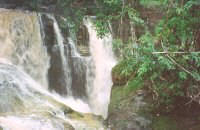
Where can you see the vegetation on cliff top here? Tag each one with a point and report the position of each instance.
(165, 59)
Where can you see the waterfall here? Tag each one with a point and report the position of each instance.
(65, 64)
(28, 64)
(92, 74)
(88, 79)
(24, 104)
(21, 43)
(104, 60)
(68, 54)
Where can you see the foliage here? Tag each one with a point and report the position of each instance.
(114, 10)
(120, 93)
(101, 27)
(170, 74)
(73, 15)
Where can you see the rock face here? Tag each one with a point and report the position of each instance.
(128, 108)
(132, 108)
(79, 72)
(55, 71)
(76, 65)
(125, 111)
(83, 41)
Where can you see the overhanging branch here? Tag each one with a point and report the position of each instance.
(178, 52)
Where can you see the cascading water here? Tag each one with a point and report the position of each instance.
(87, 80)
(24, 104)
(90, 75)
(21, 43)
(103, 58)
(65, 64)
(69, 63)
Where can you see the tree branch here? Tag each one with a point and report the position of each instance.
(193, 99)
(178, 52)
(180, 66)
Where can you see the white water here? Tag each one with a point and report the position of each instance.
(22, 45)
(103, 57)
(77, 104)
(36, 102)
(65, 64)
(98, 73)
(16, 123)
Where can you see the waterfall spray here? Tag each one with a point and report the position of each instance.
(104, 60)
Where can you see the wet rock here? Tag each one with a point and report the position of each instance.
(79, 80)
(9, 96)
(68, 127)
(76, 65)
(56, 75)
(136, 111)
(33, 122)
(124, 111)
(83, 41)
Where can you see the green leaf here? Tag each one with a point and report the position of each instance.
(182, 75)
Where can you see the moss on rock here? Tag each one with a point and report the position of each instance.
(164, 123)
(125, 104)
(120, 77)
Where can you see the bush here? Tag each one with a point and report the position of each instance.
(167, 61)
